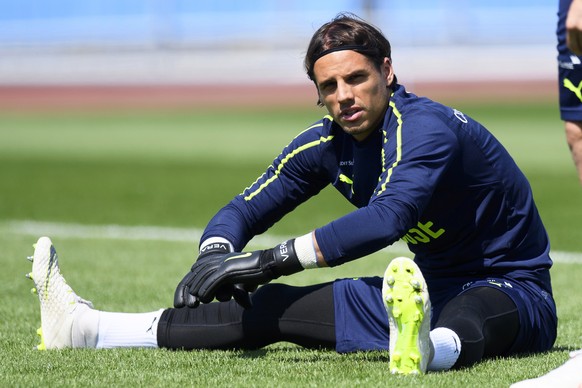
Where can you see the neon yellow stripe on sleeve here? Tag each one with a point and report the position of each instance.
(284, 161)
(316, 125)
(398, 148)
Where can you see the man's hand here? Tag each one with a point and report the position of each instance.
(250, 269)
(182, 296)
(574, 27)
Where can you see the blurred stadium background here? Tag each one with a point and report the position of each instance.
(113, 49)
(106, 145)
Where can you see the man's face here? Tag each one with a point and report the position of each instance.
(353, 90)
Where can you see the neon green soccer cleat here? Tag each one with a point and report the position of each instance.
(407, 302)
(60, 307)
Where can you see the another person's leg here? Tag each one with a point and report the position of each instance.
(303, 315)
(570, 90)
(574, 139)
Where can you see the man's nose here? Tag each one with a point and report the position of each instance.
(344, 92)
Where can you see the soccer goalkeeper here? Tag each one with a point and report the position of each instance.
(479, 285)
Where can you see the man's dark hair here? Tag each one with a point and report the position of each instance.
(347, 32)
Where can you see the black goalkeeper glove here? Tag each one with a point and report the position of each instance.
(182, 296)
(246, 270)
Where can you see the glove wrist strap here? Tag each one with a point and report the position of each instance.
(216, 243)
(285, 258)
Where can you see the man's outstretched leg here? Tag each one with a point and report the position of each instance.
(302, 315)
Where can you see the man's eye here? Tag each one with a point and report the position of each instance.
(327, 87)
(357, 78)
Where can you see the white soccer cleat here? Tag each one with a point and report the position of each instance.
(568, 375)
(406, 299)
(61, 309)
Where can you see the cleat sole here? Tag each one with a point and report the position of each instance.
(406, 300)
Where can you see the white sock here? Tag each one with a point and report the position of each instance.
(85, 328)
(447, 348)
(126, 330)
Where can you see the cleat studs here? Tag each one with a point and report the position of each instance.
(33, 291)
(407, 303)
(30, 258)
(42, 345)
(29, 275)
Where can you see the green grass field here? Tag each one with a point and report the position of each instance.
(124, 195)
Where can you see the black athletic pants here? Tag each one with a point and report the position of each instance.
(302, 315)
(485, 319)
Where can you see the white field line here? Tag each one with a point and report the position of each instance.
(119, 232)
(162, 233)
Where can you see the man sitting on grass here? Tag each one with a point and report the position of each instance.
(415, 170)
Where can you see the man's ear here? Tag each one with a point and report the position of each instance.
(319, 103)
(388, 71)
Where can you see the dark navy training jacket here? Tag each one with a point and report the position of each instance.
(430, 175)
